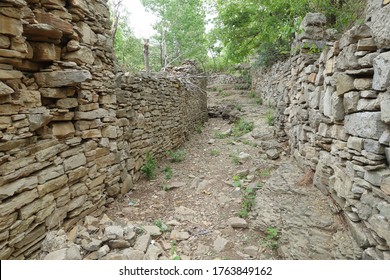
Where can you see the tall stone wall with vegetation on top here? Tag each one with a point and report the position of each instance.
(332, 103)
(73, 131)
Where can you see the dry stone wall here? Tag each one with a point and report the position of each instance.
(73, 131)
(333, 107)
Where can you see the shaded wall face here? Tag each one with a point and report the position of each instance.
(333, 108)
(72, 131)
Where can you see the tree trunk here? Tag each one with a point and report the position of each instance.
(146, 56)
(117, 14)
(164, 48)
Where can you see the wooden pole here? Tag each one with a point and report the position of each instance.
(146, 56)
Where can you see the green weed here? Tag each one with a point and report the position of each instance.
(177, 156)
(215, 153)
(168, 172)
(199, 128)
(149, 168)
(235, 159)
(161, 225)
(248, 200)
(242, 127)
(271, 238)
(270, 118)
(220, 135)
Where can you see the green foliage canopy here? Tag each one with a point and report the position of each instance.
(183, 22)
(266, 27)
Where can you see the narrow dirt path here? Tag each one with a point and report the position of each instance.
(236, 195)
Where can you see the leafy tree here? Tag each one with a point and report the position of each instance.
(266, 27)
(181, 29)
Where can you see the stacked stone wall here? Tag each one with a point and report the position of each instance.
(73, 131)
(333, 107)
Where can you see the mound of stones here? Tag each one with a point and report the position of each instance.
(103, 239)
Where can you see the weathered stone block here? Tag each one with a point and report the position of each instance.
(373, 146)
(76, 202)
(381, 226)
(385, 111)
(5, 90)
(366, 44)
(50, 173)
(18, 186)
(376, 177)
(53, 92)
(77, 174)
(344, 83)
(5, 42)
(346, 59)
(37, 205)
(10, 74)
(62, 78)
(109, 132)
(82, 56)
(92, 133)
(39, 118)
(42, 30)
(74, 162)
(351, 100)
(337, 107)
(18, 201)
(52, 185)
(362, 83)
(379, 23)
(91, 115)
(355, 143)
(372, 126)
(10, 26)
(382, 71)
(43, 51)
(48, 153)
(67, 103)
(63, 129)
(55, 21)
(327, 101)
(385, 185)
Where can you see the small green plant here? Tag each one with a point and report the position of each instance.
(242, 127)
(166, 187)
(263, 173)
(215, 153)
(199, 128)
(220, 135)
(174, 255)
(235, 159)
(238, 107)
(271, 237)
(269, 118)
(248, 200)
(237, 181)
(249, 143)
(168, 172)
(259, 101)
(161, 225)
(252, 94)
(177, 156)
(149, 168)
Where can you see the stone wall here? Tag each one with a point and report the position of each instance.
(73, 131)
(334, 109)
